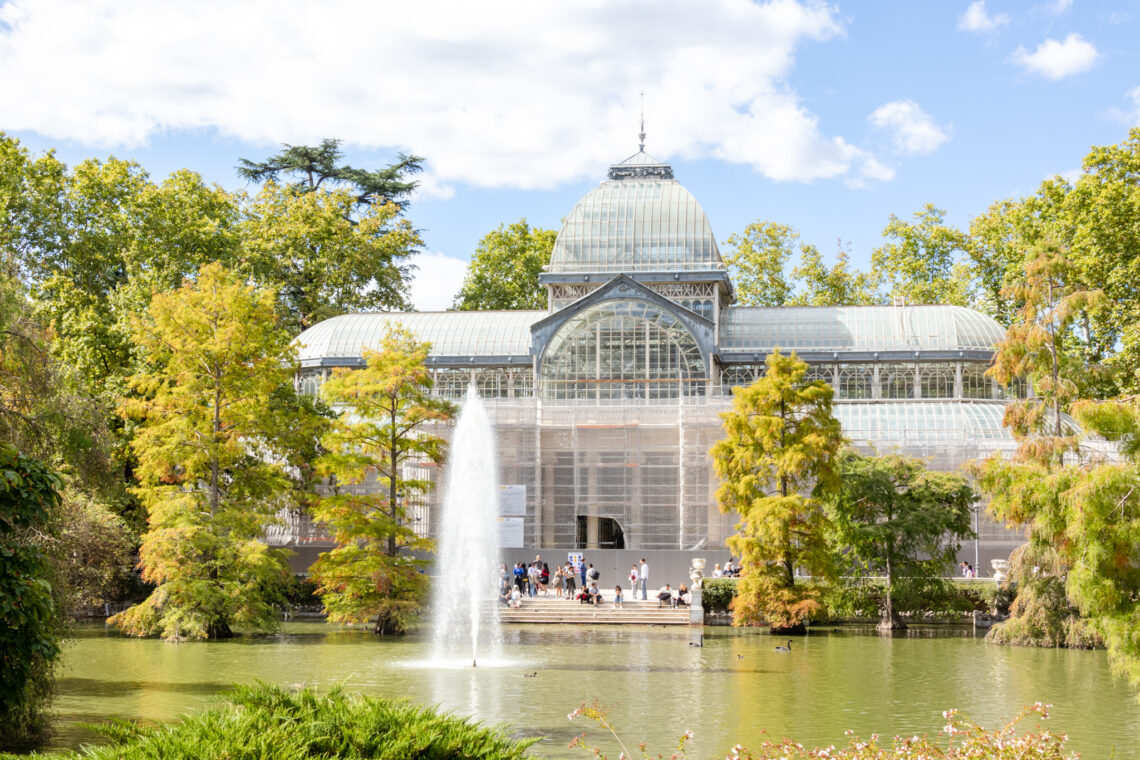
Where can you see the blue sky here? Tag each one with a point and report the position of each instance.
(827, 117)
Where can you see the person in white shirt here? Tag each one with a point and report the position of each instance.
(643, 578)
(717, 573)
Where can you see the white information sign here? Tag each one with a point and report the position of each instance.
(510, 532)
(512, 501)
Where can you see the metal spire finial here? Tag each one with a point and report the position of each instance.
(641, 134)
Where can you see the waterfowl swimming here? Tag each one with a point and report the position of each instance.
(788, 648)
(530, 675)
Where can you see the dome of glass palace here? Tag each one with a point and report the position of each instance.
(639, 220)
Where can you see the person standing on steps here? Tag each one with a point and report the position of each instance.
(592, 575)
(570, 574)
(582, 570)
(643, 578)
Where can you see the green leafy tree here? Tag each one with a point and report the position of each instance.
(211, 460)
(923, 261)
(756, 262)
(30, 609)
(777, 458)
(837, 285)
(503, 273)
(321, 262)
(386, 421)
(1000, 238)
(1081, 519)
(892, 516)
(1099, 226)
(314, 166)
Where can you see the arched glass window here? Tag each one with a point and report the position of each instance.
(937, 379)
(824, 372)
(896, 380)
(731, 377)
(492, 383)
(309, 383)
(451, 383)
(975, 384)
(855, 381)
(622, 349)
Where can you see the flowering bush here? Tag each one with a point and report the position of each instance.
(960, 739)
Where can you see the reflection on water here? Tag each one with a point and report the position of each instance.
(732, 690)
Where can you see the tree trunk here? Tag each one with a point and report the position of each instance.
(219, 629)
(889, 618)
(393, 488)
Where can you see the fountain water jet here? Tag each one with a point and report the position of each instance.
(466, 615)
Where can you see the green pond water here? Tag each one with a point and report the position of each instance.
(734, 689)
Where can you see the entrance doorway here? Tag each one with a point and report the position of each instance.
(610, 534)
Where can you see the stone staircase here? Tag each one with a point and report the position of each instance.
(550, 609)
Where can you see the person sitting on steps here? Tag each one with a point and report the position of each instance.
(665, 596)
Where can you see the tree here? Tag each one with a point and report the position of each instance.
(1035, 351)
(211, 461)
(320, 262)
(893, 516)
(30, 608)
(385, 424)
(1001, 236)
(923, 260)
(838, 285)
(1100, 228)
(777, 458)
(503, 273)
(314, 166)
(1082, 521)
(756, 263)
(1033, 488)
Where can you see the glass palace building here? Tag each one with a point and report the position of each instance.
(606, 403)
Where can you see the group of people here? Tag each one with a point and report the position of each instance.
(728, 571)
(578, 581)
(967, 570)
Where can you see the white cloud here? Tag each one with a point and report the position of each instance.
(1057, 60)
(912, 130)
(1134, 116)
(1057, 7)
(976, 20)
(1131, 114)
(498, 93)
(438, 278)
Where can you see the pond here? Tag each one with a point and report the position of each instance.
(655, 685)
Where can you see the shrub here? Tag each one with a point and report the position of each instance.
(265, 721)
(717, 593)
(938, 598)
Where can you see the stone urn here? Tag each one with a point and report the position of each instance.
(696, 572)
(1001, 570)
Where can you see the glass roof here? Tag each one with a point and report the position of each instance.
(858, 328)
(921, 421)
(636, 225)
(451, 333)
